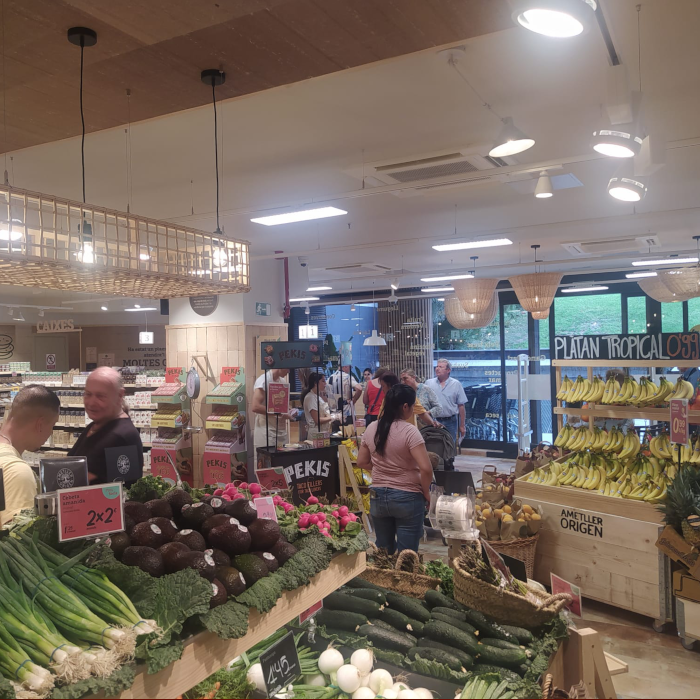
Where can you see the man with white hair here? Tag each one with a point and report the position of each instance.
(452, 398)
(111, 425)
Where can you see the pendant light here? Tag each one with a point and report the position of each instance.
(375, 340)
(476, 294)
(653, 287)
(559, 19)
(685, 281)
(215, 77)
(541, 315)
(543, 189)
(460, 319)
(536, 291)
(626, 186)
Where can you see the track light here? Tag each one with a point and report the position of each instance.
(352, 307)
(559, 19)
(19, 317)
(627, 189)
(543, 190)
(41, 313)
(510, 140)
(395, 283)
(618, 142)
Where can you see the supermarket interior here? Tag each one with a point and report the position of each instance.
(349, 349)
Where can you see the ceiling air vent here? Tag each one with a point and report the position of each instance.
(612, 245)
(359, 268)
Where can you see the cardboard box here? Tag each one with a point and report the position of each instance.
(685, 586)
(677, 549)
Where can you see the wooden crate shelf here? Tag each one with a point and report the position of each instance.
(657, 414)
(206, 653)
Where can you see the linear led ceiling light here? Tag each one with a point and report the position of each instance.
(318, 289)
(543, 190)
(638, 275)
(428, 290)
(667, 261)
(142, 308)
(305, 299)
(559, 19)
(295, 216)
(510, 140)
(447, 278)
(575, 290)
(467, 245)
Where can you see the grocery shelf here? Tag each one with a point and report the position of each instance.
(205, 653)
(660, 414)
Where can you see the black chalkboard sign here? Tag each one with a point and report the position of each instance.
(682, 347)
(311, 472)
(280, 665)
(62, 473)
(516, 567)
(2, 492)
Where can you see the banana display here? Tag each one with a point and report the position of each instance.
(630, 392)
(599, 440)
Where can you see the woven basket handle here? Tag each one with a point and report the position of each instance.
(414, 561)
(559, 600)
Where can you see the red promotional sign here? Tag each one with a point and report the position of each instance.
(559, 585)
(278, 397)
(172, 375)
(265, 507)
(679, 421)
(310, 612)
(272, 479)
(229, 374)
(90, 511)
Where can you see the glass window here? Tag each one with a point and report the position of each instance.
(636, 315)
(591, 314)
(693, 312)
(544, 334)
(672, 317)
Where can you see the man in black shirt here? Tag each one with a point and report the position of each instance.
(110, 427)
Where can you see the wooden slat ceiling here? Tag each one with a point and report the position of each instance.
(157, 48)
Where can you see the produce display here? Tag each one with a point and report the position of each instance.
(629, 393)
(507, 522)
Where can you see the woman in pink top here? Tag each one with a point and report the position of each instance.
(394, 451)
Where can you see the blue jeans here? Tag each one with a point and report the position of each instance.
(397, 517)
(451, 423)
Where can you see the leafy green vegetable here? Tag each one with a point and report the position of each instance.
(263, 594)
(234, 684)
(6, 689)
(160, 657)
(435, 670)
(228, 621)
(121, 679)
(148, 488)
(438, 569)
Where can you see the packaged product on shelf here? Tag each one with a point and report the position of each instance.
(224, 460)
(172, 446)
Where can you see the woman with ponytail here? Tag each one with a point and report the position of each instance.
(394, 451)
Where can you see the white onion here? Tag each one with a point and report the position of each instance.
(319, 679)
(330, 661)
(363, 660)
(390, 694)
(399, 686)
(379, 680)
(423, 693)
(348, 678)
(255, 676)
(363, 694)
(364, 681)
(407, 694)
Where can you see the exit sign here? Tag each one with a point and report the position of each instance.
(262, 308)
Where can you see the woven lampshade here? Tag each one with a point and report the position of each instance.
(653, 287)
(540, 315)
(536, 291)
(475, 295)
(459, 318)
(684, 282)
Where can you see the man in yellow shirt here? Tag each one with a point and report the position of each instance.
(33, 414)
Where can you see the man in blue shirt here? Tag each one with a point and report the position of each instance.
(451, 397)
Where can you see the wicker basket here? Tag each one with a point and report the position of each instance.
(522, 549)
(408, 583)
(504, 606)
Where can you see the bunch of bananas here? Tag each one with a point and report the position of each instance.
(683, 390)
(630, 392)
(660, 446)
(598, 440)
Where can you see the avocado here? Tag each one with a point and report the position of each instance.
(232, 539)
(192, 539)
(232, 578)
(220, 558)
(160, 508)
(118, 543)
(264, 534)
(283, 551)
(216, 520)
(172, 552)
(242, 510)
(199, 561)
(218, 594)
(196, 514)
(218, 504)
(146, 558)
(129, 523)
(270, 561)
(167, 526)
(177, 498)
(138, 512)
(147, 535)
(253, 568)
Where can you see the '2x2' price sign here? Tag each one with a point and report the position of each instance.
(280, 665)
(90, 511)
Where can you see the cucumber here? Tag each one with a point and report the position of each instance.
(524, 636)
(340, 619)
(464, 626)
(359, 582)
(467, 661)
(451, 636)
(438, 600)
(387, 639)
(499, 643)
(416, 627)
(343, 601)
(505, 673)
(408, 606)
(400, 621)
(442, 657)
(451, 612)
(508, 658)
(368, 594)
(488, 628)
(384, 625)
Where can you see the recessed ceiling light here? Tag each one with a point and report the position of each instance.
(559, 19)
(428, 290)
(104, 308)
(295, 216)
(318, 289)
(543, 190)
(574, 290)
(446, 278)
(442, 299)
(638, 275)
(668, 261)
(510, 140)
(626, 189)
(145, 308)
(466, 245)
(305, 299)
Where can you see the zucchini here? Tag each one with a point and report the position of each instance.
(502, 644)
(408, 606)
(467, 661)
(487, 627)
(400, 621)
(368, 594)
(340, 619)
(451, 636)
(523, 636)
(434, 599)
(464, 626)
(508, 658)
(387, 639)
(451, 612)
(442, 657)
(343, 601)
(505, 673)
(359, 582)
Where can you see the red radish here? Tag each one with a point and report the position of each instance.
(226, 497)
(322, 516)
(255, 489)
(343, 511)
(335, 514)
(302, 529)
(218, 492)
(314, 519)
(236, 496)
(344, 521)
(287, 507)
(312, 501)
(325, 525)
(352, 517)
(243, 486)
(326, 533)
(277, 500)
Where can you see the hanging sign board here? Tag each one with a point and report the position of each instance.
(682, 347)
(679, 421)
(90, 511)
(55, 326)
(204, 305)
(290, 355)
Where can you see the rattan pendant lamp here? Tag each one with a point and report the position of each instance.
(684, 282)
(655, 288)
(475, 295)
(536, 291)
(462, 320)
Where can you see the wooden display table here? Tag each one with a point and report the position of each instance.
(206, 653)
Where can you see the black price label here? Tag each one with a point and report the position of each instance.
(280, 665)
(2, 492)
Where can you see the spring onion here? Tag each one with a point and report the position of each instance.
(16, 666)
